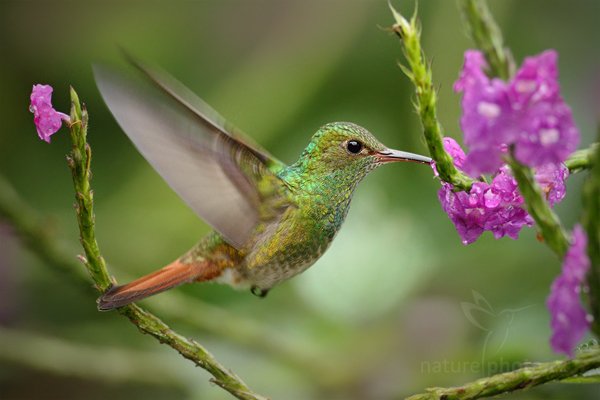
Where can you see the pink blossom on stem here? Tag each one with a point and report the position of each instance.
(551, 178)
(46, 119)
(494, 207)
(569, 320)
(527, 112)
(498, 206)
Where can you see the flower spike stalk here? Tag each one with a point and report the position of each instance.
(419, 73)
(591, 222)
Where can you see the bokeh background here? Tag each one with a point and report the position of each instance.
(396, 305)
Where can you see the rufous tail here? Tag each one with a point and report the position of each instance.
(174, 274)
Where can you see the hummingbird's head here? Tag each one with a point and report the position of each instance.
(347, 152)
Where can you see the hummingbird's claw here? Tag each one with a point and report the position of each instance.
(255, 290)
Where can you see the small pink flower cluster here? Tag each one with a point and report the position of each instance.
(497, 206)
(46, 119)
(526, 112)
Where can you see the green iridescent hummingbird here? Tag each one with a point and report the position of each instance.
(271, 221)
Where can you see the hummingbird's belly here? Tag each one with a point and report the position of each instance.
(280, 250)
(291, 249)
(275, 257)
(283, 265)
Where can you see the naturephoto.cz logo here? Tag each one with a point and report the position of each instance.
(497, 325)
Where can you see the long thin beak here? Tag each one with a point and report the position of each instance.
(389, 155)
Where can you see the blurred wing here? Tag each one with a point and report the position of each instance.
(208, 116)
(223, 179)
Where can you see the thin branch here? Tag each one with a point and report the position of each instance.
(419, 73)
(591, 218)
(547, 221)
(581, 159)
(79, 161)
(484, 31)
(27, 225)
(519, 379)
(32, 230)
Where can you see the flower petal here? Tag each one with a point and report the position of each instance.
(46, 119)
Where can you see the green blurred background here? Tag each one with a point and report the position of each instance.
(381, 315)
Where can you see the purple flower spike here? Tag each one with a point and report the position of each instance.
(46, 119)
(496, 207)
(527, 112)
(569, 321)
(484, 108)
(549, 132)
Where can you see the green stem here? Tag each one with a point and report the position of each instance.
(537, 206)
(591, 222)
(581, 159)
(419, 73)
(32, 230)
(79, 161)
(484, 31)
(519, 379)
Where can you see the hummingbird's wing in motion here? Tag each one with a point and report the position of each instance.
(227, 181)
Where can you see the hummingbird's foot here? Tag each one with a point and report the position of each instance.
(259, 292)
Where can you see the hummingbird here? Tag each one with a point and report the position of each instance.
(271, 221)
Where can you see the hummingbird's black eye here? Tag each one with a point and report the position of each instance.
(354, 146)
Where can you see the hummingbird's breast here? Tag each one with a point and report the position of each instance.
(297, 240)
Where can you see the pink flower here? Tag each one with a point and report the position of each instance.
(569, 320)
(551, 179)
(46, 119)
(527, 112)
(497, 206)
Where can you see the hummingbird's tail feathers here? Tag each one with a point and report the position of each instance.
(174, 274)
